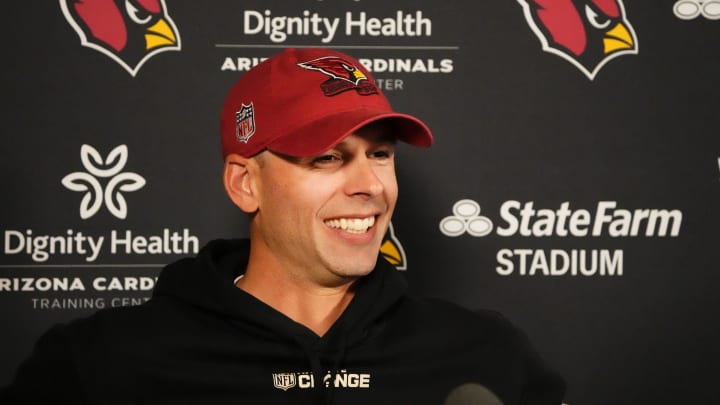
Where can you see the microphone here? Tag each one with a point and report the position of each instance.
(472, 394)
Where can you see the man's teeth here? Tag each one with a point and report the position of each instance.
(352, 225)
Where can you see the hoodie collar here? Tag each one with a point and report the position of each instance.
(207, 282)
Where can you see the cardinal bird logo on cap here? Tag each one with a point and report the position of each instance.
(343, 76)
(587, 33)
(128, 31)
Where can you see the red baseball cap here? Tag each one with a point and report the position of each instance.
(302, 102)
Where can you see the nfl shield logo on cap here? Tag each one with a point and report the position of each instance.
(245, 123)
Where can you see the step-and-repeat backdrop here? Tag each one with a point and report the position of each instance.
(574, 184)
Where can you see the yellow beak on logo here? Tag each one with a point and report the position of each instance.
(391, 253)
(159, 34)
(358, 74)
(618, 39)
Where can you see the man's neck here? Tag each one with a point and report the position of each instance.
(314, 306)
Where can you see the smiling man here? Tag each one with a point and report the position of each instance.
(305, 311)
(318, 222)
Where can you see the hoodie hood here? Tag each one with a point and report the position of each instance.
(207, 282)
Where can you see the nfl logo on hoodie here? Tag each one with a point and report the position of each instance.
(284, 381)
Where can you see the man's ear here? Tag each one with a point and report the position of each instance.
(239, 178)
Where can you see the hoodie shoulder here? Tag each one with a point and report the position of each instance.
(484, 343)
(446, 315)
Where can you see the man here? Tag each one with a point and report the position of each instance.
(304, 312)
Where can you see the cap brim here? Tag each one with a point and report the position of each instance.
(320, 135)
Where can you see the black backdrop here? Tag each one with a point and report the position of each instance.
(579, 197)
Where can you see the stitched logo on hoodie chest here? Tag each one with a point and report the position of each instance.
(306, 380)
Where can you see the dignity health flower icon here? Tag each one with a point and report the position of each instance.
(98, 168)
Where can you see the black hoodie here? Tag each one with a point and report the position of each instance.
(201, 340)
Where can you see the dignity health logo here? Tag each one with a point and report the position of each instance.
(89, 182)
(103, 183)
(524, 219)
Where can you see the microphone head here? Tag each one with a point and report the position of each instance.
(472, 394)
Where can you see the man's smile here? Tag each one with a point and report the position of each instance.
(351, 225)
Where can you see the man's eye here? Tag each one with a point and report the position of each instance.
(382, 154)
(325, 159)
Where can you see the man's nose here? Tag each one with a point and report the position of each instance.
(363, 179)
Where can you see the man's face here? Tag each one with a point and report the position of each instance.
(323, 217)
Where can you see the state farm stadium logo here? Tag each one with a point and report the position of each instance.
(129, 32)
(587, 34)
(606, 222)
(109, 170)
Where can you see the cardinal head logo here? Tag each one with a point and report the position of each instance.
(128, 31)
(586, 33)
(343, 76)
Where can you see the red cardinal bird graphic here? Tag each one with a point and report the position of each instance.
(128, 31)
(343, 76)
(587, 33)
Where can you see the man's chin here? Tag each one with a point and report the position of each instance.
(357, 269)
(354, 269)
